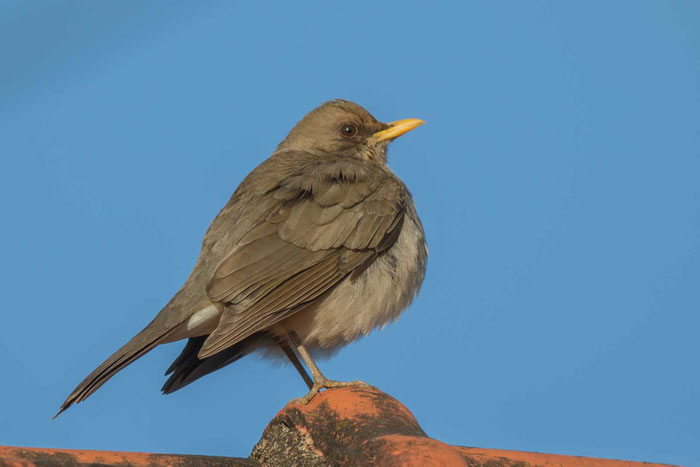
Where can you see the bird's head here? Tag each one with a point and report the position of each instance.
(344, 129)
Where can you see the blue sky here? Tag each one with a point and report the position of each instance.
(557, 179)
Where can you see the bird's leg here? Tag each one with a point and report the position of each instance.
(320, 381)
(284, 344)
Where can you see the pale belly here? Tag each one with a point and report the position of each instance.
(376, 297)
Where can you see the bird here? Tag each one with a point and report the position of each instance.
(318, 246)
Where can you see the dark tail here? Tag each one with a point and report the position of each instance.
(188, 367)
(139, 345)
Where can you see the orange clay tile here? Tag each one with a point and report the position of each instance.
(348, 426)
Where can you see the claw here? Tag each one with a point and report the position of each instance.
(326, 384)
(319, 381)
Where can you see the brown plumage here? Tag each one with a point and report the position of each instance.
(319, 245)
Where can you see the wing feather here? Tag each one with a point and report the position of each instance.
(325, 226)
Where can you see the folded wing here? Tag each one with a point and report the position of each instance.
(325, 226)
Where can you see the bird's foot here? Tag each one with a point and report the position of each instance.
(326, 384)
(344, 384)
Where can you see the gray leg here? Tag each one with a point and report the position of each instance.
(284, 344)
(320, 381)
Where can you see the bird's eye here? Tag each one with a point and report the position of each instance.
(348, 130)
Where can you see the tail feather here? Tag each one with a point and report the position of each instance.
(139, 345)
(188, 368)
(193, 345)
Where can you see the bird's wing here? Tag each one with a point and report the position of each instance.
(325, 226)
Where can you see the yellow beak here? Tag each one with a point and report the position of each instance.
(396, 129)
